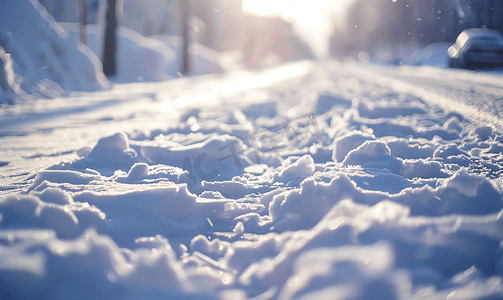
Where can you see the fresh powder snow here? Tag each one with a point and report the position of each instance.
(307, 180)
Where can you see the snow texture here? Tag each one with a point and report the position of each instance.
(304, 181)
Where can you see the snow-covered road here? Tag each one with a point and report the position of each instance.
(37, 133)
(475, 95)
(310, 180)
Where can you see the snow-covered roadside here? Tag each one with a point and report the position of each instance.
(41, 60)
(138, 58)
(321, 185)
(476, 96)
(147, 59)
(9, 88)
(204, 60)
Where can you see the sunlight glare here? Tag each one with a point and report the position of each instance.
(263, 80)
(263, 8)
(312, 20)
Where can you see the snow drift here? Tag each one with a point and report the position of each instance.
(141, 58)
(138, 58)
(42, 60)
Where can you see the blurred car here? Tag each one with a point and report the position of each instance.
(477, 48)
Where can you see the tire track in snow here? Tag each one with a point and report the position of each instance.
(484, 79)
(480, 104)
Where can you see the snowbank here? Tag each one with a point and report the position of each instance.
(42, 59)
(138, 58)
(9, 88)
(431, 55)
(203, 60)
(153, 58)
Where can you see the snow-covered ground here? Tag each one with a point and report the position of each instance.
(303, 181)
(308, 180)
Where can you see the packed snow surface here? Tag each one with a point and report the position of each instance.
(304, 181)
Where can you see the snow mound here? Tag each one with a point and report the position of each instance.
(373, 154)
(42, 59)
(138, 58)
(431, 55)
(9, 88)
(203, 60)
(347, 142)
(154, 58)
(111, 151)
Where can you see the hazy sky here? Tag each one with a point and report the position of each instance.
(314, 20)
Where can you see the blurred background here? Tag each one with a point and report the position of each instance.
(255, 35)
(265, 32)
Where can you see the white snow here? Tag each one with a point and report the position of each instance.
(431, 55)
(311, 180)
(154, 58)
(9, 88)
(42, 60)
(138, 58)
(203, 60)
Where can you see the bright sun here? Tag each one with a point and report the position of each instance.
(264, 8)
(313, 20)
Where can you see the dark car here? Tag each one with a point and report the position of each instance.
(477, 48)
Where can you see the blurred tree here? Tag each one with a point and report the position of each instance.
(83, 16)
(185, 11)
(109, 53)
